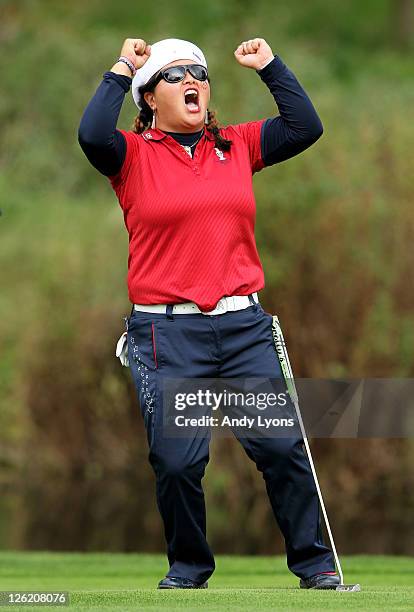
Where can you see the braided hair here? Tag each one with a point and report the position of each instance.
(144, 120)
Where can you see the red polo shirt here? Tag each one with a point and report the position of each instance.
(190, 220)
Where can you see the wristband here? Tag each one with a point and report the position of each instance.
(128, 62)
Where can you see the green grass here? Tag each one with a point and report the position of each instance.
(128, 582)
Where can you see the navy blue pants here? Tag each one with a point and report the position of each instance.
(229, 345)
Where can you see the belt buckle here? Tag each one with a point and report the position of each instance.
(222, 305)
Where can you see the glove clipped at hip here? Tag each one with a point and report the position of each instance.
(122, 349)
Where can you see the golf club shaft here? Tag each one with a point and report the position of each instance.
(288, 375)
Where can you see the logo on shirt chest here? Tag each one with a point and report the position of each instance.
(220, 154)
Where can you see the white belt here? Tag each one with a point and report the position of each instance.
(225, 304)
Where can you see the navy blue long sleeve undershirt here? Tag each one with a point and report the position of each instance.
(296, 128)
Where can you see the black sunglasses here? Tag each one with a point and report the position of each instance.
(175, 74)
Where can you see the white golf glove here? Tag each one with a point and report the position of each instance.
(122, 349)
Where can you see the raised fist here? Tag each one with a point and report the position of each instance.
(254, 53)
(136, 50)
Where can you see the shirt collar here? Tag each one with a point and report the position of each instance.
(156, 134)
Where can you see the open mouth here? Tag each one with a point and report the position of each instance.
(191, 100)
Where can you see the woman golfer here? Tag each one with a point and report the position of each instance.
(185, 188)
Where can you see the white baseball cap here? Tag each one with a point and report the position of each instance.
(162, 53)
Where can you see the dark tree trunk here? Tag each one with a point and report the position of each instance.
(403, 20)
